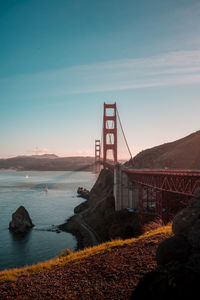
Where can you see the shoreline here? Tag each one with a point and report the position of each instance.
(68, 227)
(79, 231)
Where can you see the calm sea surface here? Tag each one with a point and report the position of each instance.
(46, 209)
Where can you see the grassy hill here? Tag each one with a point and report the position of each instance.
(181, 154)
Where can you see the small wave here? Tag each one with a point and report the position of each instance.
(51, 228)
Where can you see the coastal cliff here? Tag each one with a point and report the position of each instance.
(96, 220)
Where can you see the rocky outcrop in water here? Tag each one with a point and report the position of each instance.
(178, 273)
(21, 221)
(82, 192)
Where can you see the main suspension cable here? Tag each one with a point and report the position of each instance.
(124, 136)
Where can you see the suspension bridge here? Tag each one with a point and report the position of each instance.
(152, 193)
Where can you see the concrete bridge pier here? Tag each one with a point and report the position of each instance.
(125, 191)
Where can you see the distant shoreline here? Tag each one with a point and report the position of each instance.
(35, 170)
(46, 163)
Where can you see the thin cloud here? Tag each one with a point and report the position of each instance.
(168, 69)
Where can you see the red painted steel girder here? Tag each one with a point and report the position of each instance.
(175, 181)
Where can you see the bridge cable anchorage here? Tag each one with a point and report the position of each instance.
(124, 137)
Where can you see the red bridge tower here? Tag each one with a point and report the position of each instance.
(110, 131)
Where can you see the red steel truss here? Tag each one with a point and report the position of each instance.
(175, 181)
(163, 192)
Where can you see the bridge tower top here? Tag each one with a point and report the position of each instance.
(110, 131)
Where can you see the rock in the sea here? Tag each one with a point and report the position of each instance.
(83, 193)
(21, 221)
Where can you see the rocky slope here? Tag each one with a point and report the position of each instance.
(98, 215)
(181, 154)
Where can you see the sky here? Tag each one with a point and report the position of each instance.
(61, 60)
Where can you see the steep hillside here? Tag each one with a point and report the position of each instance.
(181, 154)
(98, 215)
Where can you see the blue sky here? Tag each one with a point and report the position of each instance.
(61, 60)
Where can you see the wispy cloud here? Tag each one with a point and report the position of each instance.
(40, 151)
(168, 69)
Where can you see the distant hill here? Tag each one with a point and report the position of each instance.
(45, 156)
(181, 154)
(47, 162)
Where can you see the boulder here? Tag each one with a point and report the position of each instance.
(169, 282)
(175, 248)
(21, 221)
(185, 219)
(195, 202)
(83, 193)
(194, 235)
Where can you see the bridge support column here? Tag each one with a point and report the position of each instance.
(125, 192)
(117, 187)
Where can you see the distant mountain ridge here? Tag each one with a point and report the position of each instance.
(180, 154)
(45, 156)
(47, 162)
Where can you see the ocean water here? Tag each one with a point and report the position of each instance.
(50, 198)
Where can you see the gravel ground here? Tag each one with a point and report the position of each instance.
(112, 275)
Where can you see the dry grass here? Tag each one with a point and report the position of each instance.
(77, 256)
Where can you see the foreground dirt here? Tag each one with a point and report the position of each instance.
(112, 275)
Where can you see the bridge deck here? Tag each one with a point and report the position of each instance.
(165, 172)
(175, 181)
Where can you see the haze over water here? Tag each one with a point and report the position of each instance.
(46, 208)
